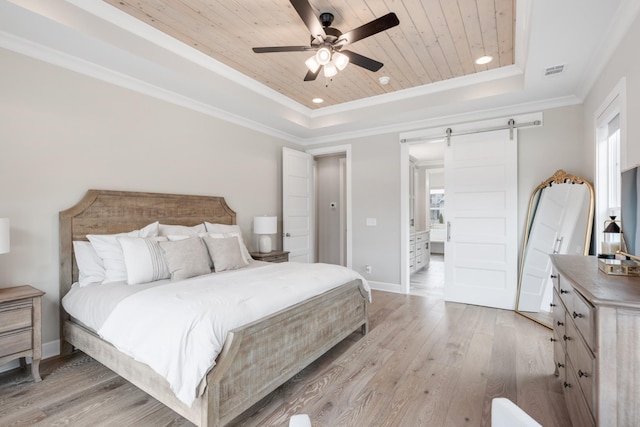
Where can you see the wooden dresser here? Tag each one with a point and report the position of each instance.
(596, 334)
(20, 325)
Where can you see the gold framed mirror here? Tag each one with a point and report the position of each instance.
(559, 221)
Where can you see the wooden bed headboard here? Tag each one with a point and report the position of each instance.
(110, 212)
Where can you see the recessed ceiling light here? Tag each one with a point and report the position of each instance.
(484, 60)
(317, 100)
(384, 80)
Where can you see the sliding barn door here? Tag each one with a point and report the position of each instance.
(297, 204)
(481, 244)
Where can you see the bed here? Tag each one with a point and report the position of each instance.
(255, 358)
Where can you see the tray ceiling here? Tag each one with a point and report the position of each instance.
(436, 40)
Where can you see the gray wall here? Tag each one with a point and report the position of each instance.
(62, 133)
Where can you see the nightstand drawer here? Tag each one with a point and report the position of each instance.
(11, 320)
(15, 342)
(279, 258)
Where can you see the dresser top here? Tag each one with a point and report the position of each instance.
(19, 292)
(598, 287)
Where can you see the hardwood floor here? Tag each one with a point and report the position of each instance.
(424, 362)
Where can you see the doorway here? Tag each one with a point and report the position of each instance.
(332, 199)
(426, 219)
(330, 208)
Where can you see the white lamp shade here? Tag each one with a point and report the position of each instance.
(341, 60)
(4, 235)
(265, 225)
(312, 64)
(323, 56)
(330, 70)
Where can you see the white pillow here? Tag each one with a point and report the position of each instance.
(144, 259)
(229, 231)
(108, 248)
(169, 230)
(90, 265)
(186, 258)
(225, 253)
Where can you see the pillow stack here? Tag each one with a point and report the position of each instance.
(160, 251)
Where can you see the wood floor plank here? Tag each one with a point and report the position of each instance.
(423, 363)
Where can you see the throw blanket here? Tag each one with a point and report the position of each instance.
(179, 328)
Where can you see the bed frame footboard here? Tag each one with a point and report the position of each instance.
(256, 358)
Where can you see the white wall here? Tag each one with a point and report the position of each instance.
(62, 133)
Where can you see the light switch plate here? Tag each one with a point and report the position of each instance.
(371, 222)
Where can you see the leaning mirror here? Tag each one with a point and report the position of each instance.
(559, 221)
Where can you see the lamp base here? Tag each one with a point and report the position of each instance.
(264, 244)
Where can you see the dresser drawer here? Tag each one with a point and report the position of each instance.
(578, 408)
(583, 314)
(566, 292)
(18, 317)
(558, 314)
(584, 365)
(559, 356)
(15, 342)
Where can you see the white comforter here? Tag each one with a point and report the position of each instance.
(179, 328)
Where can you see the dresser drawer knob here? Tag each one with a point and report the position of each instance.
(552, 304)
(577, 315)
(553, 339)
(567, 385)
(582, 374)
(559, 323)
(566, 338)
(560, 365)
(554, 276)
(562, 291)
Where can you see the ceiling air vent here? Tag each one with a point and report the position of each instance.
(552, 71)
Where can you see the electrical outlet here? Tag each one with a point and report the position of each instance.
(367, 268)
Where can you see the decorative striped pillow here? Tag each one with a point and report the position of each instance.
(144, 259)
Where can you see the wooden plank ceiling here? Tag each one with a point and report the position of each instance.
(436, 40)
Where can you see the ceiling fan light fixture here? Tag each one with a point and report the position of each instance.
(312, 64)
(330, 70)
(340, 60)
(323, 55)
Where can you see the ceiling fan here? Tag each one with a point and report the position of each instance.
(328, 42)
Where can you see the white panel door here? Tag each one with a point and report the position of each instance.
(481, 244)
(297, 204)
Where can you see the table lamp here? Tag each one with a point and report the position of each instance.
(264, 226)
(4, 235)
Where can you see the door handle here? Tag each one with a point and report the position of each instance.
(448, 231)
(286, 235)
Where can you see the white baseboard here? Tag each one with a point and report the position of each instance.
(49, 349)
(388, 287)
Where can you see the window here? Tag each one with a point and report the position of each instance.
(613, 161)
(610, 151)
(436, 215)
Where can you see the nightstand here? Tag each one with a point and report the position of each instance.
(20, 326)
(273, 256)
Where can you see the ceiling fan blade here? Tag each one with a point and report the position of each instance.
(374, 27)
(283, 49)
(309, 18)
(362, 61)
(311, 76)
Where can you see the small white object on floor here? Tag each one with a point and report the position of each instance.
(505, 413)
(301, 420)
